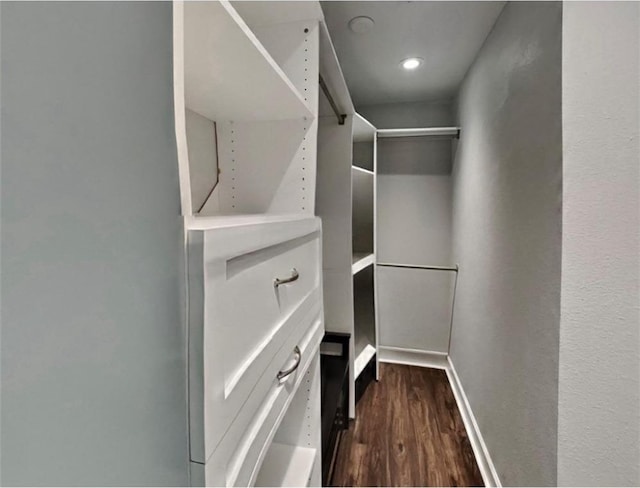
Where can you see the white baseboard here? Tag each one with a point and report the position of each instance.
(439, 360)
(485, 464)
(413, 357)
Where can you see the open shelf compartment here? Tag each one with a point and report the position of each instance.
(293, 457)
(228, 73)
(286, 465)
(236, 90)
(364, 319)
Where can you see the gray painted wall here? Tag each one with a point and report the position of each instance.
(93, 363)
(414, 227)
(599, 397)
(413, 114)
(414, 200)
(507, 234)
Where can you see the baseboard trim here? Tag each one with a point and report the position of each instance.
(413, 357)
(439, 360)
(485, 464)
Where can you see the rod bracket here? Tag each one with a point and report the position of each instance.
(341, 117)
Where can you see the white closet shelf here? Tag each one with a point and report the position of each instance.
(363, 130)
(417, 132)
(260, 13)
(355, 167)
(228, 74)
(363, 359)
(286, 465)
(218, 222)
(361, 260)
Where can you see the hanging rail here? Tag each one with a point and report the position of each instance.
(325, 89)
(419, 266)
(418, 132)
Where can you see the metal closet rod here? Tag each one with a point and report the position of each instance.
(419, 266)
(325, 89)
(420, 132)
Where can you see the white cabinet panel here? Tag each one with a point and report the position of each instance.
(237, 459)
(242, 327)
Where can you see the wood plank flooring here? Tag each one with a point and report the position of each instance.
(407, 432)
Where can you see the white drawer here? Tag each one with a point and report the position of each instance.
(237, 459)
(239, 321)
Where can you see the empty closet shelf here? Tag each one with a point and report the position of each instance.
(357, 167)
(286, 465)
(361, 260)
(363, 359)
(218, 222)
(253, 86)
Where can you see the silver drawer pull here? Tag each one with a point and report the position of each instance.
(279, 281)
(286, 372)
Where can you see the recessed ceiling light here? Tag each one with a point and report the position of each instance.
(361, 24)
(411, 63)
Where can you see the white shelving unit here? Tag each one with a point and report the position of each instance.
(244, 77)
(363, 221)
(246, 105)
(347, 180)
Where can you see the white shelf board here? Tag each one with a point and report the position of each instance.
(261, 13)
(218, 222)
(417, 132)
(286, 466)
(363, 130)
(363, 359)
(361, 261)
(228, 74)
(362, 170)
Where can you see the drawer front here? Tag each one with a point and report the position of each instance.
(244, 319)
(237, 459)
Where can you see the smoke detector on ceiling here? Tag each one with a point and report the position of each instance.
(361, 24)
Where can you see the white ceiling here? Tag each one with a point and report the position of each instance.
(447, 35)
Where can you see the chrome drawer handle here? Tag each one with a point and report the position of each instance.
(279, 281)
(284, 373)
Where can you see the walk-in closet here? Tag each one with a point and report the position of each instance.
(322, 264)
(320, 243)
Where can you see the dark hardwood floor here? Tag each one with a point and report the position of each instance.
(407, 432)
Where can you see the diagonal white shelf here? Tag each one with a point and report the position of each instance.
(355, 167)
(286, 465)
(228, 74)
(361, 261)
(363, 359)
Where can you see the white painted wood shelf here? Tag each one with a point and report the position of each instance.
(286, 465)
(218, 222)
(355, 167)
(361, 260)
(363, 358)
(228, 73)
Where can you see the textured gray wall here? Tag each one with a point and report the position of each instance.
(507, 233)
(93, 365)
(599, 399)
